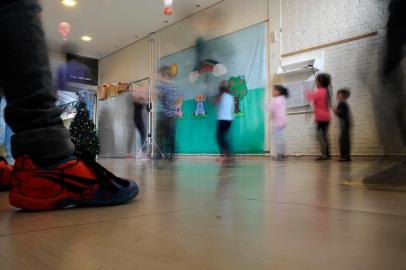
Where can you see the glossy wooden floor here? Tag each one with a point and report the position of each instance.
(194, 214)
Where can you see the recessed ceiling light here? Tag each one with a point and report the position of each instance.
(86, 38)
(69, 3)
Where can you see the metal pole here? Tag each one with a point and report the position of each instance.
(150, 143)
(151, 80)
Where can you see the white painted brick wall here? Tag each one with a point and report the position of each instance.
(308, 23)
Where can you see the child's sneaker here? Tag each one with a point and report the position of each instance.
(5, 174)
(76, 182)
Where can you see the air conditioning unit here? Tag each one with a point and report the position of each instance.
(299, 67)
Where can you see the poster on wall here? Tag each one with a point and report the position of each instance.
(239, 59)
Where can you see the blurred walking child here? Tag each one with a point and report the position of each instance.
(320, 98)
(279, 119)
(343, 112)
(166, 124)
(225, 111)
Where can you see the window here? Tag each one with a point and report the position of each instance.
(297, 90)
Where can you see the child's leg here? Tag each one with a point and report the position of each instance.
(319, 137)
(227, 149)
(345, 144)
(172, 136)
(326, 141)
(162, 131)
(220, 136)
(279, 142)
(322, 128)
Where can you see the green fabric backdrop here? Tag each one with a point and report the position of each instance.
(243, 53)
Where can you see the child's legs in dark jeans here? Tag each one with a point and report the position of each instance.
(322, 130)
(345, 142)
(172, 135)
(27, 84)
(222, 131)
(167, 134)
(161, 133)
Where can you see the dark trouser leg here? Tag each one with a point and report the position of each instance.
(139, 124)
(345, 144)
(26, 80)
(398, 90)
(162, 131)
(325, 140)
(167, 134)
(322, 128)
(222, 130)
(220, 136)
(172, 136)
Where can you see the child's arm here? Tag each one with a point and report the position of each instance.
(339, 110)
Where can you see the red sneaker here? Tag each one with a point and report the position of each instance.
(76, 182)
(5, 174)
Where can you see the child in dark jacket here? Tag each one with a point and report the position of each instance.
(343, 112)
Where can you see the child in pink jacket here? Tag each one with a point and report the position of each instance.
(279, 119)
(320, 98)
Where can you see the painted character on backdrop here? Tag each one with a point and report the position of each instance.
(200, 110)
(179, 104)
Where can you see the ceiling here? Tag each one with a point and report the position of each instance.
(113, 24)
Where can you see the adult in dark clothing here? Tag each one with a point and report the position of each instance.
(139, 119)
(393, 70)
(393, 75)
(343, 112)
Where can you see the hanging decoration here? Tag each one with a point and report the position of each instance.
(168, 9)
(64, 30)
(173, 70)
(139, 90)
(206, 67)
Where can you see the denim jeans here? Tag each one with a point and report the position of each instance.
(25, 78)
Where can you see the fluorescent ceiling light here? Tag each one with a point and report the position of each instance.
(86, 38)
(69, 3)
